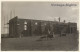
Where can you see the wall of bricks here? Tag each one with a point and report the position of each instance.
(38, 27)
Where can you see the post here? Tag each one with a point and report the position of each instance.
(59, 19)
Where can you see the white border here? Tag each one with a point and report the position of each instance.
(42, 1)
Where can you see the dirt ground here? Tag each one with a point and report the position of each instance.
(63, 43)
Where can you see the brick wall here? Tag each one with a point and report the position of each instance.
(38, 27)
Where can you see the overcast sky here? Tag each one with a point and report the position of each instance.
(39, 10)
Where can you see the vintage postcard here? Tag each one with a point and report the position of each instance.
(39, 26)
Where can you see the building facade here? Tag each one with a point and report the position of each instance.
(30, 27)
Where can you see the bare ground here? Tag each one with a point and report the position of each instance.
(64, 43)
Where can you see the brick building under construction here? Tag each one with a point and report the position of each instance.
(30, 27)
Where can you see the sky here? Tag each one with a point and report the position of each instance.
(39, 11)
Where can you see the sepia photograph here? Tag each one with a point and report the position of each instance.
(39, 26)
